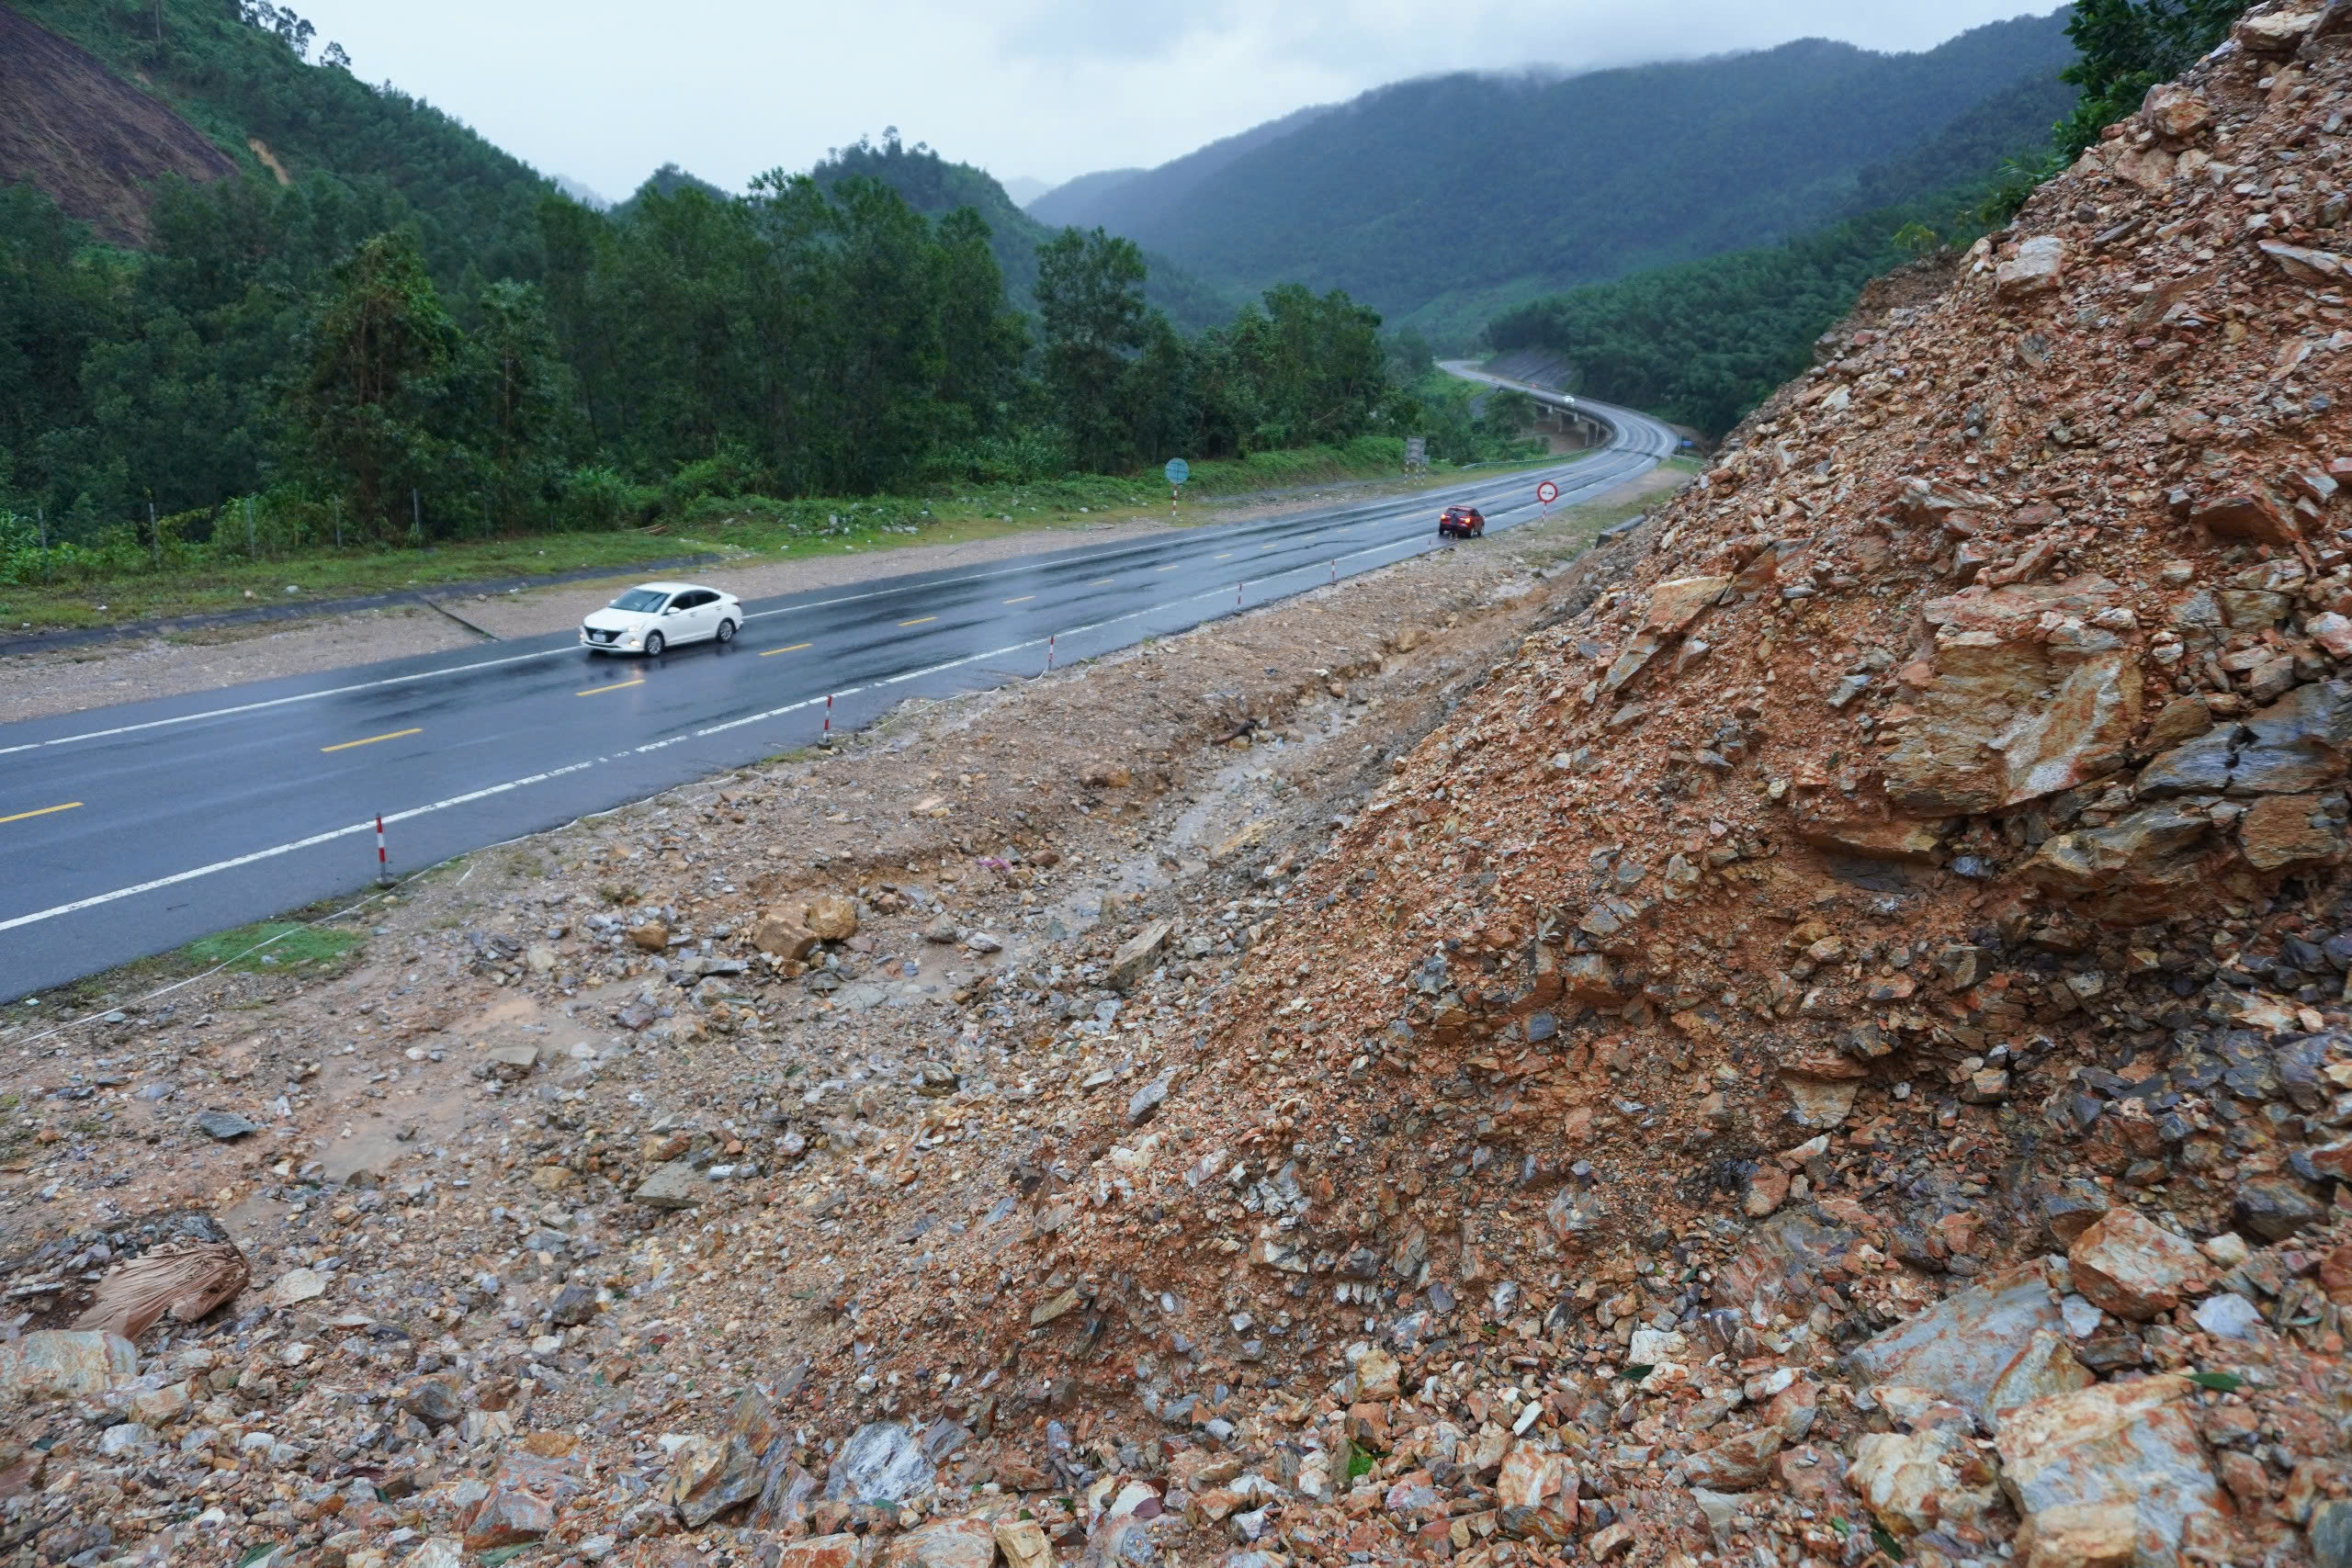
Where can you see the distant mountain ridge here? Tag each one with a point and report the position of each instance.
(1130, 206)
(934, 188)
(1440, 200)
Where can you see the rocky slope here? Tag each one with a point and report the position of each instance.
(1833, 1050)
(1809, 1057)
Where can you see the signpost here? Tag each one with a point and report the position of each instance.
(1177, 471)
(1547, 492)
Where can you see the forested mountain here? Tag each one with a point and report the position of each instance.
(934, 188)
(1705, 342)
(367, 340)
(1440, 200)
(238, 72)
(668, 180)
(1074, 198)
(1127, 201)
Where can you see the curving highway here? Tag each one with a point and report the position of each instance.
(128, 830)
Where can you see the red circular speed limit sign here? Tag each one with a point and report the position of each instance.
(1547, 492)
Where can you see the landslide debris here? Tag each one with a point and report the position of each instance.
(1834, 1051)
(1839, 1046)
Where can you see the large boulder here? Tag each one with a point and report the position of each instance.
(1961, 1349)
(708, 1476)
(526, 1494)
(2101, 1535)
(1136, 956)
(783, 933)
(1919, 1480)
(2041, 262)
(833, 917)
(882, 1462)
(61, 1361)
(948, 1543)
(2137, 868)
(2282, 830)
(1673, 606)
(2015, 712)
(2132, 1266)
(2114, 1445)
(2297, 745)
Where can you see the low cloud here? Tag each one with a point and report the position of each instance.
(605, 91)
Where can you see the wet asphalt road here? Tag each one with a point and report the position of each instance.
(128, 830)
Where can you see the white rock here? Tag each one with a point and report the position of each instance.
(2228, 1316)
(124, 1437)
(2228, 1249)
(296, 1285)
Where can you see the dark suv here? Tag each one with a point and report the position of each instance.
(1461, 523)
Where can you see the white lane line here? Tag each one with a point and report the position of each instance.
(273, 852)
(1110, 554)
(281, 702)
(1417, 543)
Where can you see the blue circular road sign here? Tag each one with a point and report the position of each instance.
(1178, 471)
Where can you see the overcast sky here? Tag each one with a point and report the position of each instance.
(607, 90)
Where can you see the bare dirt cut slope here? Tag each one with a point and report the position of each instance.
(86, 137)
(1817, 1036)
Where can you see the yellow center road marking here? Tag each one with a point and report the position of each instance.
(1102, 582)
(1226, 556)
(615, 687)
(795, 648)
(19, 816)
(395, 735)
(1023, 600)
(1268, 546)
(1170, 567)
(919, 620)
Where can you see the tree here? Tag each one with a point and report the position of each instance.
(982, 340)
(1091, 310)
(379, 352)
(515, 400)
(2125, 47)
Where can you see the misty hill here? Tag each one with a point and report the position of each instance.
(667, 180)
(1128, 201)
(933, 186)
(1071, 202)
(1440, 200)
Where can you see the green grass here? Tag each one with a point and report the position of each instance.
(290, 947)
(206, 581)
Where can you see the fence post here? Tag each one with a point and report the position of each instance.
(41, 515)
(338, 522)
(253, 551)
(154, 536)
(415, 518)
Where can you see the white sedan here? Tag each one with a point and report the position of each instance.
(655, 616)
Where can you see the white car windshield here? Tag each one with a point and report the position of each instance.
(643, 601)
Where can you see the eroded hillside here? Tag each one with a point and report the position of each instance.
(87, 139)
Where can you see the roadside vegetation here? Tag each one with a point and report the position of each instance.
(351, 363)
(118, 580)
